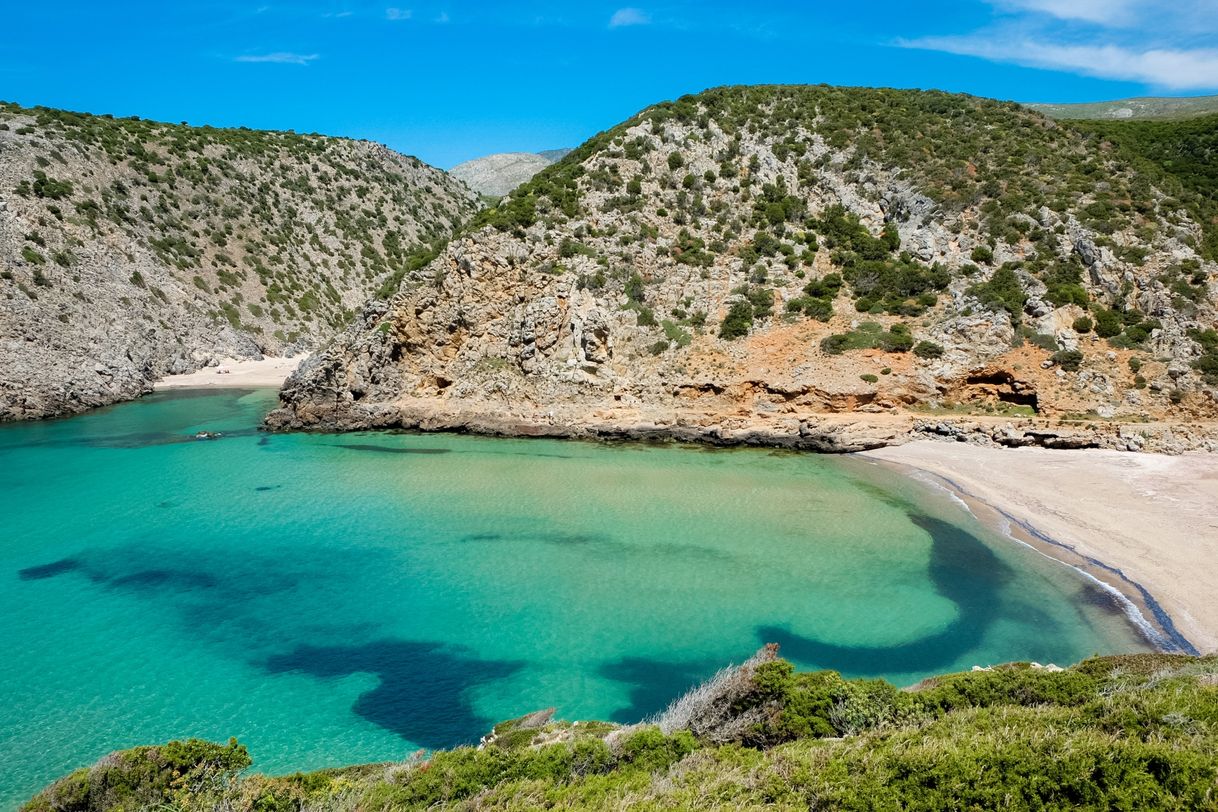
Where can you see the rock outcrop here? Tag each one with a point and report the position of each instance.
(131, 249)
(497, 175)
(755, 264)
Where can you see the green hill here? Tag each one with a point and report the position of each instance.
(132, 248)
(1186, 150)
(753, 248)
(1130, 732)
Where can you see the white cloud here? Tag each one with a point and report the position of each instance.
(629, 16)
(1172, 69)
(1105, 12)
(398, 14)
(278, 57)
(1169, 46)
(443, 18)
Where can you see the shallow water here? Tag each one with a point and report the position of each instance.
(332, 599)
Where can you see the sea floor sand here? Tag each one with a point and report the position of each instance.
(1152, 517)
(229, 373)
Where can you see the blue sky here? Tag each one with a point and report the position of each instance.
(451, 80)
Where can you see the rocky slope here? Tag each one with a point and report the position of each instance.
(131, 249)
(1144, 107)
(750, 264)
(496, 175)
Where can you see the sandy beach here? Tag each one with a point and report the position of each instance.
(231, 373)
(1145, 520)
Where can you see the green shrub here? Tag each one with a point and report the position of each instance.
(1108, 323)
(145, 777)
(1002, 291)
(928, 350)
(635, 289)
(869, 378)
(1069, 360)
(1083, 324)
(738, 321)
(1207, 364)
(870, 335)
(50, 188)
(650, 750)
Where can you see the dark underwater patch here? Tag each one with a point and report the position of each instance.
(264, 488)
(386, 449)
(161, 579)
(963, 570)
(602, 544)
(42, 571)
(143, 439)
(423, 695)
(555, 539)
(653, 683)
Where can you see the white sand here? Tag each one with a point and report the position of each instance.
(267, 372)
(1154, 517)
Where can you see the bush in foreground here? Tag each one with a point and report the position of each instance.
(1127, 732)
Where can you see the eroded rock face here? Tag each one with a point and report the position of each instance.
(496, 175)
(594, 303)
(130, 250)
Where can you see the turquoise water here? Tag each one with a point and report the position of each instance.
(331, 599)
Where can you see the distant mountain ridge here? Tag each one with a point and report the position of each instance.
(497, 175)
(1142, 107)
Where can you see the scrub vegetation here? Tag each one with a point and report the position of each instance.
(1124, 732)
(286, 233)
(765, 185)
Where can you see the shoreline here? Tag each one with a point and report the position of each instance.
(1074, 507)
(235, 373)
(1139, 606)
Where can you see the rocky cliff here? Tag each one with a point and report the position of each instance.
(754, 259)
(131, 249)
(496, 175)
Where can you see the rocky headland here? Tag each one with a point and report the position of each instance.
(810, 267)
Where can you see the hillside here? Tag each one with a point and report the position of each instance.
(1186, 150)
(130, 249)
(1127, 732)
(745, 261)
(1146, 107)
(496, 175)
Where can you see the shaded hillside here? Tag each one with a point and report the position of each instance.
(755, 256)
(129, 249)
(1146, 107)
(1126, 732)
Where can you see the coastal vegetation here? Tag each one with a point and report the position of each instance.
(1121, 732)
(964, 154)
(1184, 150)
(808, 226)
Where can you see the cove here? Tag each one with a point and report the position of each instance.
(335, 599)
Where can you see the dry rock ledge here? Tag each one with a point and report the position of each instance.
(833, 433)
